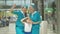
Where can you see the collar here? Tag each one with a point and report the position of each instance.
(22, 13)
(33, 12)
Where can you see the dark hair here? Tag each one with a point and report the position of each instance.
(24, 7)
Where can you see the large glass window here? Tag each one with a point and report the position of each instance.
(1, 2)
(9, 3)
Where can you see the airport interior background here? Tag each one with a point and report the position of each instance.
(49, 10)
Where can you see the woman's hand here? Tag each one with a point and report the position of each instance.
(13, 7)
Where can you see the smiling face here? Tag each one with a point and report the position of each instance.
(31, 9)
(24, 9)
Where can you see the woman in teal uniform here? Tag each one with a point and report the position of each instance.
(35, 18)
(21, 15)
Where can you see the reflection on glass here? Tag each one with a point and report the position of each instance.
(50, 14)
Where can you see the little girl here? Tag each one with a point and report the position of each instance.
(27, 25)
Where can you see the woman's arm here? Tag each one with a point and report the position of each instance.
(36, 19)
(13, 7)
(24, 20)
(14, 11)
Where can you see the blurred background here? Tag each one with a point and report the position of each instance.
(49, 10)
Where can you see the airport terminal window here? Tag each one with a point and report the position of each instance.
(8, 3)
(1, 2)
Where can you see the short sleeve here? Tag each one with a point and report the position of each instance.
(15, 12)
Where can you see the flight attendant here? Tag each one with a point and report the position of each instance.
(35, 19)
(21, 14)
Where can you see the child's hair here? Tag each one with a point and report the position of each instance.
(25, 20)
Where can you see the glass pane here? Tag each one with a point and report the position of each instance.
(50, 14)
(28, 2)
(9, 3)
(2, 3)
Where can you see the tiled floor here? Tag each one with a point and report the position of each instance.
(11, 29)
(4, 30)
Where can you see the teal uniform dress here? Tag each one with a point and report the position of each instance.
(35, 17)
(19, 24)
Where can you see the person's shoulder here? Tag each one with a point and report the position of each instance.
(37, 12)
(17, 10)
